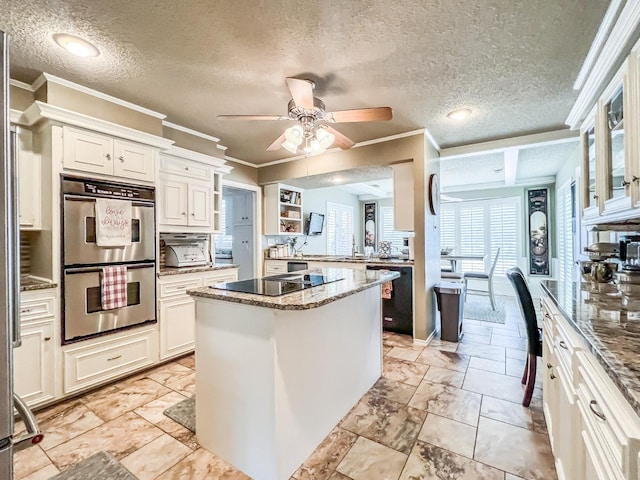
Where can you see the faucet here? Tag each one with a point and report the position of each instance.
(354, 249)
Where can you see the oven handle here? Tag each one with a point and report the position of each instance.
(99, 269)
(82, 198)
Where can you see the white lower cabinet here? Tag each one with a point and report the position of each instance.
(107, 358)
(176, 309)
(594, 432)
(34, 361)
(274, 267)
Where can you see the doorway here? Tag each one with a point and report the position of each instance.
(236, 243)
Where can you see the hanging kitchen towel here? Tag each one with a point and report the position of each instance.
(113, 222)
(114, 287)
(387, 287)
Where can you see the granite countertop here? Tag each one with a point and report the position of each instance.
(610, 324)
(347, 259)
(28, 283)
(204, 268)
(353, 281)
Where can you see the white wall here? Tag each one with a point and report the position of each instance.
(316, 201)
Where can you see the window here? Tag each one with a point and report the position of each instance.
(387, 232)
(339, 229)
(565, 233)
(480, 228)
(223, 241)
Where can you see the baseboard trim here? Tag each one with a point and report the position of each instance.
(424, 343)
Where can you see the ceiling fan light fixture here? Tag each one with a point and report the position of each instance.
(290, 146)
(294, 134)
(325, 138)
(460, 114)
(76, 45)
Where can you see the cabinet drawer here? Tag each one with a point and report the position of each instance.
(186, 168)
(92, 364)
(222, 277)
(178, 287)
(566, 342)
(273, 267)
(615, 425)
(31, 309)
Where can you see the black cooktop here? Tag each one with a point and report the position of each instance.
(277, 285)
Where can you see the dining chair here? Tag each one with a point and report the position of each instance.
(534, 334)
(486, 276)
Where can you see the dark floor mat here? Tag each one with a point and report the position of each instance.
(184, 413)
(101, 466)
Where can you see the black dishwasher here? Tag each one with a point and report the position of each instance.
(397, 311)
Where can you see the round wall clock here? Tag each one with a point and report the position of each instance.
(434, 194)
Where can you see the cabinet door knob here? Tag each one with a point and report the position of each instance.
(186, 168)
(595, 197)
(193, 214)
(549, 365)
(121, 158)
(46, 339)
(108, 155)
(597, 413)
(184, 213)
(552, 376)
(624, 183)
(635, 179)
(563, 345)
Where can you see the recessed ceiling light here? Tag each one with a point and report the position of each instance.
(459, 114)
(76, 45)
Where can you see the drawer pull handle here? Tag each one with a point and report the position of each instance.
(597, 413)
(182, 286)
(552, 376)
(563, 345)
(549, 365)
(25, 310)
(546, 315)
(46, 339)
(114, 358)
(108, 155)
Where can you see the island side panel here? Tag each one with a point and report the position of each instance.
(327, 358)
(235, 410)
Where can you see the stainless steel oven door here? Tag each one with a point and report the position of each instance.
(80, 234)
(83, 313)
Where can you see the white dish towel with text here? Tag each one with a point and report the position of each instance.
(113, 222)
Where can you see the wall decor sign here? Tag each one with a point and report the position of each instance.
(370, 224)
(538, 231)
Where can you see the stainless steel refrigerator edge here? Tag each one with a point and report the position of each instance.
(8, 285)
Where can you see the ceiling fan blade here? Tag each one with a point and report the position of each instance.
(276, 145)
(253, 117)
(341, 141)
(360, 115)
(301, 92)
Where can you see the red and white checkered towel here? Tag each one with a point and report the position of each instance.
(114, 287)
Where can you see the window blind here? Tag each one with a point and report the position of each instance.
(339, 229)
(223, 241)
(565, 234)
(387, 232)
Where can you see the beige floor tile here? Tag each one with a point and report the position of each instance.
(475, 338)
(154, 410)
(156, 457)
(444, 376)
(494, 385)
(448, 434)
(515, 450)
(339, 476)
(188, 361)
(390, 423)
(120, 437)
(515, 367)
(507, 412)
(449, 402)
(390, 390)
(515, 353)
(368, 460)
(386, 350)
(402, 371)
(406, 353)
(110, 403)
(390, 339)
(185, 385)
(508, 476)
(475, 329)
(486, 364)
(443, 345)
(491, 352)
(43, 474)
(202, 464)
(28, 461)
(509, 342)
(67, 424)
(449, 360)
(180, 433)
(323, 461)
(169, 373)
(506, 332)
(428, 462)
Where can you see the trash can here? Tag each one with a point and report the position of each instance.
(450, 297)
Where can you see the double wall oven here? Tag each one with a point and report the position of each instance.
(84, 261)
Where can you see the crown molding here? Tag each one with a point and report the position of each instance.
(241, 162)
(524, 141)
(221, 147)
(15, 116)
(614, 47)
(44, 110)
(180, 152)
(21, 85)
(94, 93)
(195, 133)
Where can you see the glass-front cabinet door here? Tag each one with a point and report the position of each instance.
(591, 206)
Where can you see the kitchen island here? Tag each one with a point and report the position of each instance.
(275, 374)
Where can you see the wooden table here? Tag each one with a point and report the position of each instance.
(453, 259)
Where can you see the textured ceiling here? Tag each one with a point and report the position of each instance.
(544, 160)
(512, 62)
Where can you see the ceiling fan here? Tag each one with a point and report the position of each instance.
(312, 133)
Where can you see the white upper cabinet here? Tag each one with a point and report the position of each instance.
(93, 152)
(200, 205)
(29, 181)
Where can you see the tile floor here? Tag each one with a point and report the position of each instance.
(446, 411)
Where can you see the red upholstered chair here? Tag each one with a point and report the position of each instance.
(534, 334)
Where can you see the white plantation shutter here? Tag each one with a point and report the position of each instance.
(480, 228)
(387, 233)
(339, 229)
(223, 242)
(565, 234)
